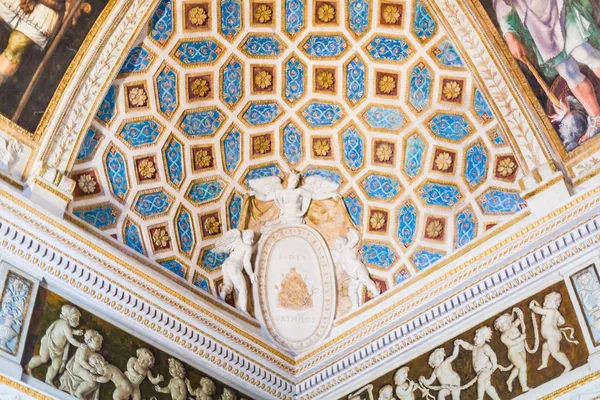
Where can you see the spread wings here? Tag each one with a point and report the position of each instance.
(316, 184)
(265, 185)
(228, 241)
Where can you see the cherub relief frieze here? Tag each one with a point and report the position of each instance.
(108, 363)
(534, 342)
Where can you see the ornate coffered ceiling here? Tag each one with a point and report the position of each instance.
(372, 95)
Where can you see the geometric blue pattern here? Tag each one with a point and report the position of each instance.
(476, 165)
(197, 51)
(232, 82)
(205, 191)
(261, 113)
(353, 146)
(496, 201)
(407, 224)
(440, 194)
(175, 267)
(153, 204)
(211, 260)
(387, 49)
(139, 133)
(355, 80)
(294, 16)
(108, 107)
(324, 46)
(354, 207)
(166, 88)
(321, 114)
(481, 107)
(232, 150)
(262, 172)
(466, 227)
(201, 283)
(424, 258)
(133, 237)
(359, 16)
(384, 118)
(420, 87)
(378, 255)
(116, 168)
(450, 126)
(424, 26)
(173, 156)
(447, 55)
(138, 60)
(292, 143)
(234, 210)
(263, 46)
(185, 231)
(89, 144)
(414, 155)
(401, 276)
(231, 22)
(101, 216)
(201, 122)
(161, 25)
(294, 75)
(497, 138)
(381, 187)
(327, 174)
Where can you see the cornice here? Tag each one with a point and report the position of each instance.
(184, 324)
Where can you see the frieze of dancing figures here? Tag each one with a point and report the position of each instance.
(85, 356)
(521, 348)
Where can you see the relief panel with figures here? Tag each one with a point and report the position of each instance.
(587, 286)
(518, 349)
(80, 354)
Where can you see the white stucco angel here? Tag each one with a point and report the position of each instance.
(552, 321)
(293, 201)
(345, 252)
(239, 246)
(54, 346)
(485, 362)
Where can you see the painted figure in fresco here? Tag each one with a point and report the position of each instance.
(485, 362)
(79, 378)
(33, 23)
(138, 368)
(552, 319)
(444, 373)
(110, 373)
(590, 297)
(205, 391)
(54, 346)
(293, 201)
(176, 387)
(515, 342)
(562, 34)
(239, 246)
(344, 252)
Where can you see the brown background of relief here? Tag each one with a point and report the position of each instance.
(117, 347)
(578, 355)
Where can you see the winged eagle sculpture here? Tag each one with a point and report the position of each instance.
(293, 201)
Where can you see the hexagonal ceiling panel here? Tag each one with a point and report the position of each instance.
(372, 95)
